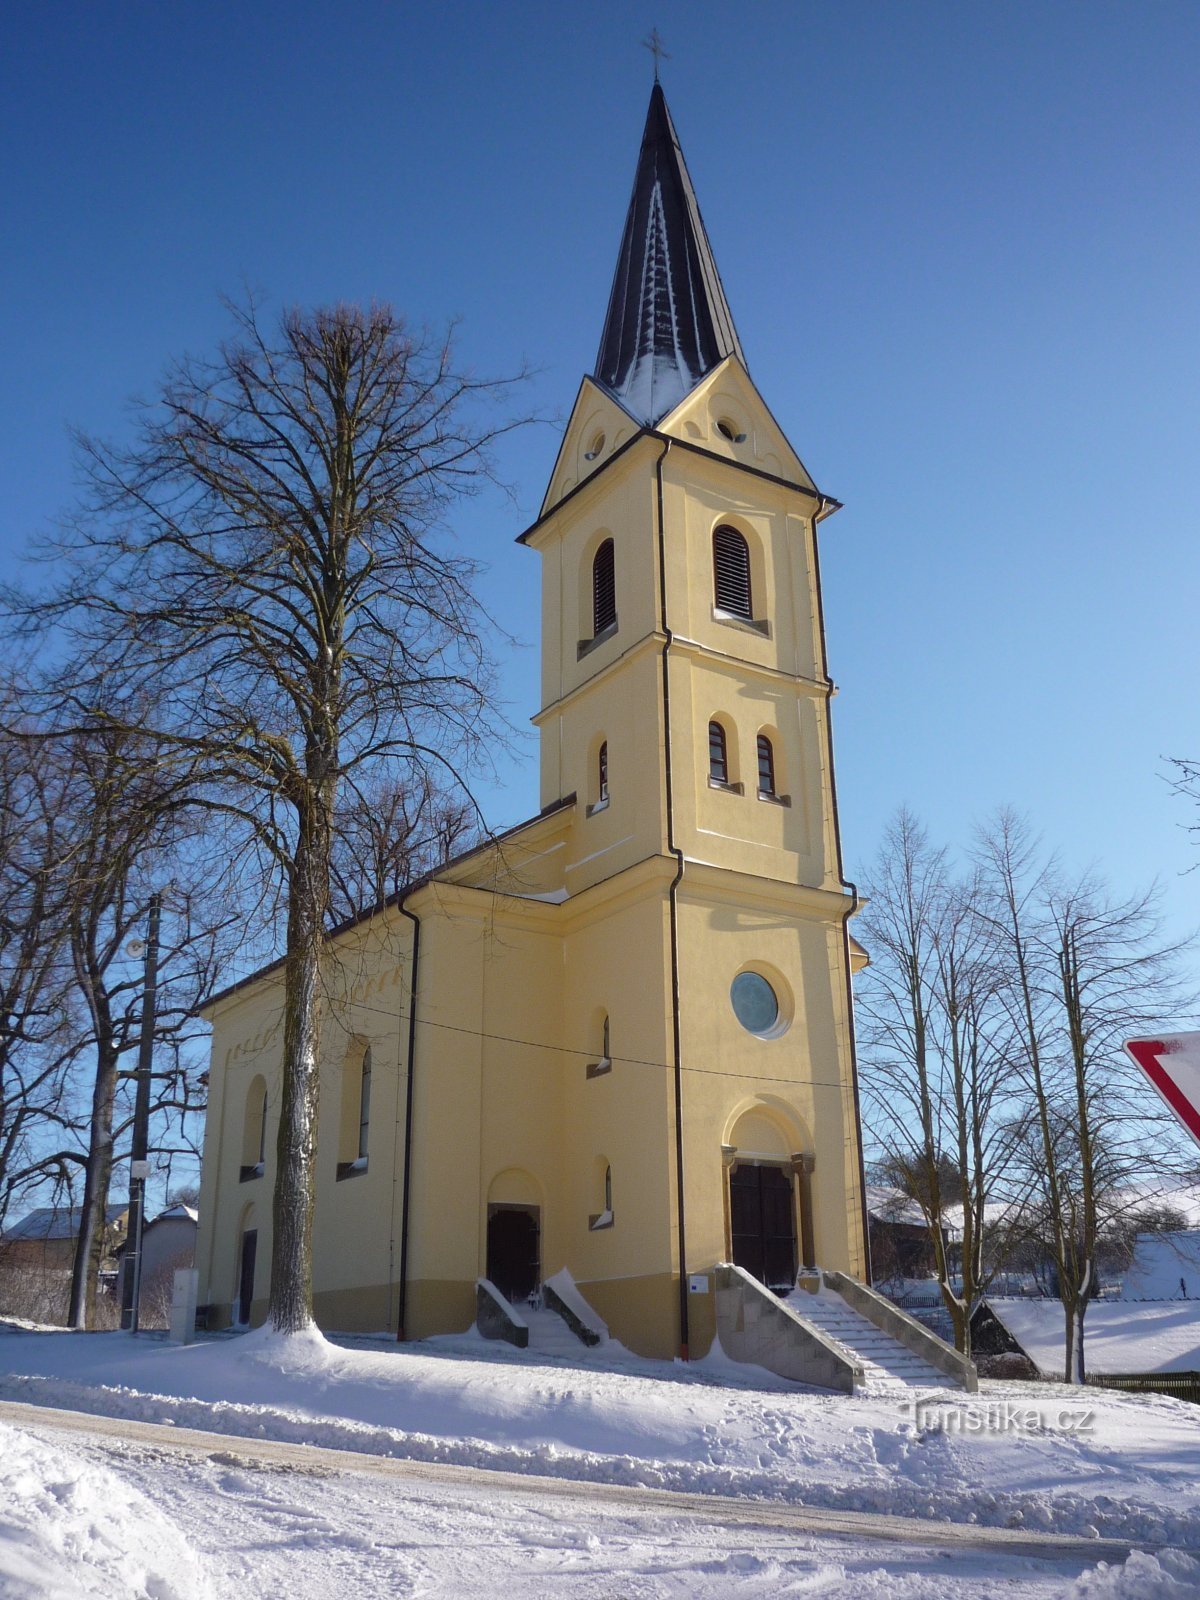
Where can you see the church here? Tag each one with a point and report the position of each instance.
(618, 1039)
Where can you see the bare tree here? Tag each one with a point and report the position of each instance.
(1084, 970)
(128, 838)
(390, 833)
(36, 1036)
(267, 555)
(933, 1062)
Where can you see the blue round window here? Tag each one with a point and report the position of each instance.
(754, 1002)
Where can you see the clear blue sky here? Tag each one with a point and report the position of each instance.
(961, 244)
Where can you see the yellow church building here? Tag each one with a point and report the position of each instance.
(617, 1040)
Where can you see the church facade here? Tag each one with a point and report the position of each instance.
(618, 1039)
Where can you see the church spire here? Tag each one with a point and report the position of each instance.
(668, 320)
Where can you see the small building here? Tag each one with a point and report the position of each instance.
(168, 1244)
(47, 1237)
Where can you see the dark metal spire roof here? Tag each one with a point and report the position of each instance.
(668, 320)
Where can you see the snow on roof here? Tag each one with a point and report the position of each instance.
(50, 1222)
(177, 1213)
(1154, 1336)
(1165, 1266)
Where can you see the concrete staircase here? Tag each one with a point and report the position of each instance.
(549, 1335)
(885, 1362)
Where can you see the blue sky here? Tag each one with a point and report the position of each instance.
(961, 244)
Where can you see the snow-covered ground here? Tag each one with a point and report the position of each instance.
(1020, 1456)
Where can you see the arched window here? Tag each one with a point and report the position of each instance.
(602, 775)
(731, 573)
(718, 754)
(354, 1130)
(604, 1064)
(604, 589)
(254, 1132)
(766, 766)
(364, 1107)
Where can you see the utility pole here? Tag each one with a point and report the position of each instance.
(139, 1164)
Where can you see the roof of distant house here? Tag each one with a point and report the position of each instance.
(178, 1213)
(1118, 1337)
(52, 1222)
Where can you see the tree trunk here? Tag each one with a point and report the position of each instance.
(93, 1221)
(292, 1206)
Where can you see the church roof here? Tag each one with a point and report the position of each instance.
(668, 320)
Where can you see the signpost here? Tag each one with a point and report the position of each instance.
(1171, 1061)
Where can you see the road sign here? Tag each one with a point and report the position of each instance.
(1171, 1061)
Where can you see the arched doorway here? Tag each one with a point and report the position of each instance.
(513, 1254)
(770, 1227)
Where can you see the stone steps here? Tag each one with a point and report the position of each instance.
(884, 1360)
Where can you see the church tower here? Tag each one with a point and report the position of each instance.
(686, 706)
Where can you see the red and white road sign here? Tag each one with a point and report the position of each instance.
(1172, 1063)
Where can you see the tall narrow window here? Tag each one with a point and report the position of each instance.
(766, 766)
(718, 754)
(731, 573)
(607, 1054)
(364, 1107)
(608, 1190)
(604, 589)
(602, 775)
(254, 1132)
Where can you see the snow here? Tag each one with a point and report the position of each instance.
(1042, 1457)
(510, 1311)
(1165, 1266)
(563, 1285)
(71, 1529)
(1118, 1336)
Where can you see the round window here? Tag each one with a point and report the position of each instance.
(754, 1002)
(594, 448)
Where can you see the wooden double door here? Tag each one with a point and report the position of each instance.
(762, 1215)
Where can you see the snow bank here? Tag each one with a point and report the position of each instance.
(1168, 1576)
(70, 1530)
(1034, 1456)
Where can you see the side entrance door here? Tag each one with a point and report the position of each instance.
(763, 1223)
(513, 1262)
(246, 1275)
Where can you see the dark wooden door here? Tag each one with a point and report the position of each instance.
(246, 1275)
(512, 1252)
(763, 1221)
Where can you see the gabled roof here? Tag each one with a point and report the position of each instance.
(51, 1223)
(668, 321)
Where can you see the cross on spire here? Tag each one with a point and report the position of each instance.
(654, 44)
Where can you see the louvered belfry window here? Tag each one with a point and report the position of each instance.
(731, 573)
(718, 755)
(604, 589)
(766, 766)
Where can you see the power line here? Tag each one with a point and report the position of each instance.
(572, 1050)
